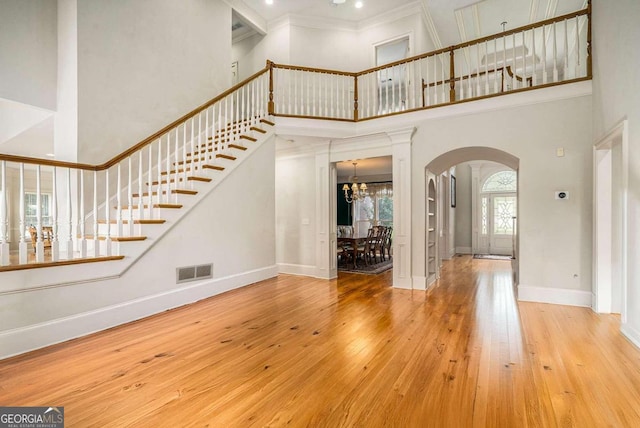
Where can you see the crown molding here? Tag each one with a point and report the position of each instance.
(409, 9)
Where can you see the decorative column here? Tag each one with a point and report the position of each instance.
(326, 267)
(401, 152)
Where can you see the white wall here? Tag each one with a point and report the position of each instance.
(463, 207)
(224, 229)
(616, 85)
(296, 212)
(344, 48)
(555, 240)
(28, 56)
(137, 75)
(252, 53)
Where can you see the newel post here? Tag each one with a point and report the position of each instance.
(271, 106)
(452, 77)
(355, 98)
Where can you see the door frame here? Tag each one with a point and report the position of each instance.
(603, 219)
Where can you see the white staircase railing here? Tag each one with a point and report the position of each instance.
(67, 211)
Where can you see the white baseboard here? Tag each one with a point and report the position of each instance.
(557, 296)
(25, 339)
(419, 283)
(301, 270)
(463, 250)
(631, 333)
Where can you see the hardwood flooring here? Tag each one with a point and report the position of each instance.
(355, 352)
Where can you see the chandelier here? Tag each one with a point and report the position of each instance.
(357, 191)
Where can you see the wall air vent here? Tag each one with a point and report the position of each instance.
(194, 273)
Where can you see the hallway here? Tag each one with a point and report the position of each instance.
(353, 352)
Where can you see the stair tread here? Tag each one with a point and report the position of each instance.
(223, 156)
(141, 221)
(114, 238)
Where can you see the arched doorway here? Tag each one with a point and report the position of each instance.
(442, 171)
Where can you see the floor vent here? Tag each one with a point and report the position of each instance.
(194, 273)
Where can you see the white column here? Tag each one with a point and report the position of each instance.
(475, 215)
(401, 152)
(325, 241)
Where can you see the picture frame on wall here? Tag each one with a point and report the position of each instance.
(453, 191)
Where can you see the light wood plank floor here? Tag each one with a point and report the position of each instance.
(354, 352)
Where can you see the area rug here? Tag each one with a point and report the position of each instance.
(367, 270)
(491, 257)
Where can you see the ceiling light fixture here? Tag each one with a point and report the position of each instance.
(359, 5)
(268, 1)
(337, 2)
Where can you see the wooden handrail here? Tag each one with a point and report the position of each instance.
(480, 40)
(314, 70)
(119, 158)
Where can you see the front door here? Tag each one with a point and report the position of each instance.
(496, 224)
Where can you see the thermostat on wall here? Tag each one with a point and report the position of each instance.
(562, 194)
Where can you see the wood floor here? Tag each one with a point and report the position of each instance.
(354, 352)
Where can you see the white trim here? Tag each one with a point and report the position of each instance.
(299, 270)
(29, 338)
(632, 334)
(556, 296)
(463, 250)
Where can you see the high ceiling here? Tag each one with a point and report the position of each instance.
(454, 21)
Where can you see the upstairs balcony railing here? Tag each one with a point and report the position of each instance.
(63, 204)
(551, 52)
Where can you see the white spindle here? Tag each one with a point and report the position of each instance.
(478, 79)
(486, 68)
(81, 219)
(107, 210)
(577, 48)
(150, 182)
(96, 246)
(130, 197)
(504, 61)
(4, 217)
(69, 218)
(119, 220)
(55, 249)
(184, 150)
(566, 50)
(176, 166)
(444, 87)
(555, 53)
(544, 54)
(534, 77)
(167, 163)
(159, 187)
(495, 66)
(140, 188)
(23, 227)
(39, 242)
(514, 80)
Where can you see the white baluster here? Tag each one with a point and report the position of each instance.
(119, 220)
(167, 163)
(577, 48)
(478, 79)
(159, 187)
(55, 248)
(23, 246)
(4, 217)
(495, 66)
(40, 241)
(544, 55)
(130, 197)
(486, 68)
(444, 86)
(81, 220)
(514, 80)
(534, 76)
(184, 151)
(176, 175)
(150, 182)
(504, 61)
(555, 53)
(140, 188)
(566, 51)
(69, 219)
(107, 211)
(428, 94)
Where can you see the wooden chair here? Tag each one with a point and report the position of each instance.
(47, 237)
(366, 250)
(387, 242)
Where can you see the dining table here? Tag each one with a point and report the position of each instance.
(353, 242)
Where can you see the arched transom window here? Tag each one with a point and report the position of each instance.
(503, 181)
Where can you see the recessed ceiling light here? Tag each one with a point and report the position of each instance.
(359, 5)
(268, 1)
(338, 1)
